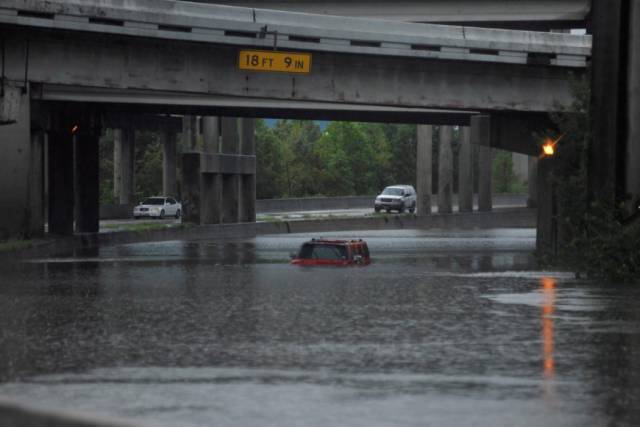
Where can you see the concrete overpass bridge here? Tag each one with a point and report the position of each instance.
(516, 14)
(66, 63)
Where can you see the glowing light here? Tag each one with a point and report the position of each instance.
(549, 146)
(75, 128)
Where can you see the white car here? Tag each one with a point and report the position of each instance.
(158, 207)
(397, 198)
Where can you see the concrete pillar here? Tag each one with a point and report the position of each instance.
(169, 183)
(465, 172)
(211, 198)
(424, 168)
(211, 183)
(485, 159)
(532, 200)
(211, 134)
(87, 179)
(230, 182)
(632, 157)
(546, 234)
(481, 138)
(608, 89)
(21, 168)
(124, 165)
(190, 131)
(190, 187)
(61, 191)
(248, 181)
(445, 171)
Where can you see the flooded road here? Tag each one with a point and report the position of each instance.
(444, 328)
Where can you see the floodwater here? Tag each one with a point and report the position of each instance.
(444, 328)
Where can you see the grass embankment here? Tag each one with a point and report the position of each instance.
(15, 245)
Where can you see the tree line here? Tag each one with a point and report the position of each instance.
(300, 159)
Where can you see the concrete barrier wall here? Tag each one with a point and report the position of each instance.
(116, 211)
(315, 204)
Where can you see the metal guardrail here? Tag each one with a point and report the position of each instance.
(268, 29)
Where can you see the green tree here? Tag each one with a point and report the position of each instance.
(106, 168)
(270, 163)
(148, 165)
(595, 237)
(504, 179)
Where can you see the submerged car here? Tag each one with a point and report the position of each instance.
(332, 252)
(158, 207)
(396, 198)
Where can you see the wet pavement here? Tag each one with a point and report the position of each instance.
(444, 328)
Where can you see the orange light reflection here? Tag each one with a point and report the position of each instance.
(548, 308)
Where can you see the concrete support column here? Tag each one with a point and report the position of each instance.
(21, 168)
(124, 165)
(211, 198)
(191, 187)
(547, 230)
(248, 181)
(485, 159)
(61, 182)
(169, 182)
(211, 183)
(424, 168)
(230, 182)
(87, 179)
(632, 157)
(211, 134)
(445, 171)
(190, 131)
(465, 172)
(532, 200)
(608, 89)
(481, 137)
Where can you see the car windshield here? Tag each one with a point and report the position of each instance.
(312, 251)
(390, 191)
(153, 201)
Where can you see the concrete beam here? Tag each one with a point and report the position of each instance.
(142, 122)
(349, 78)
(141, 102)
(515, 133)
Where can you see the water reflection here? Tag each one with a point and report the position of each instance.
(548, 308)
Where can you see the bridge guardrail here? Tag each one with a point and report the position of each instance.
(289, 30)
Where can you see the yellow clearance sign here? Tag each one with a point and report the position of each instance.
(281, 62)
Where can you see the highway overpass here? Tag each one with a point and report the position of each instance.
(67, 62)
(520, 14)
